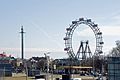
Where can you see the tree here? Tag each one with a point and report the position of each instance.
(115, 52)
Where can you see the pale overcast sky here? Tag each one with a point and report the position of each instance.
(45, 22)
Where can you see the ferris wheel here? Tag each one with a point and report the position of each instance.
(69, 36)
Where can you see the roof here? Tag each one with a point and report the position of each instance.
(77, 67)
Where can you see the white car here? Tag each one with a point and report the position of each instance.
(39, 79)
(74, 79)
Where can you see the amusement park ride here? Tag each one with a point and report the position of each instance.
(84, 50)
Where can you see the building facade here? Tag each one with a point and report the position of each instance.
(113, 68)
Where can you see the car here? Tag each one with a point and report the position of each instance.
(39, 79)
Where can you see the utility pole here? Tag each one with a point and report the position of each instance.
(22, 42)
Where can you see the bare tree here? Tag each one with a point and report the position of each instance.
(115, 52)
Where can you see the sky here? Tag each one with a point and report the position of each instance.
(45, 21)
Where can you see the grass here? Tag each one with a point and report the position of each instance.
(18, 78)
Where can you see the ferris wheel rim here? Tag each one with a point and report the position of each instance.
(71, 29)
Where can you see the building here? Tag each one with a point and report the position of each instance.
(113, 68)
(6, 69)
